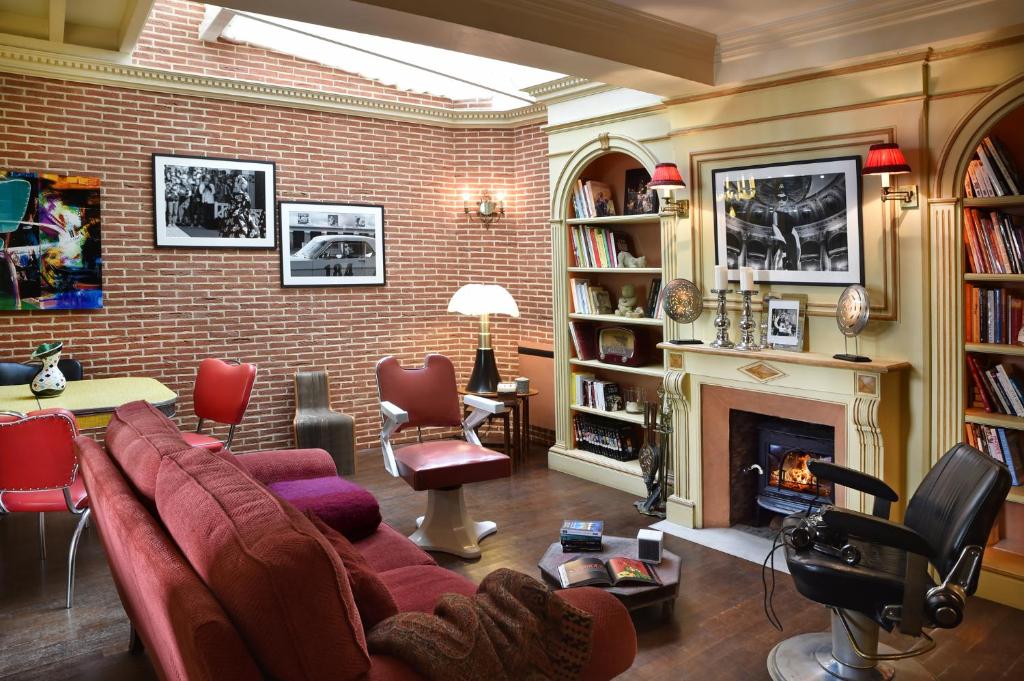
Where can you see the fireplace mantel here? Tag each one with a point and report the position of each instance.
(869, 397)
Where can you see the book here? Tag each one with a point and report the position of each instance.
(583, 528)
(583, 340)
(592, 571)
(605, 437)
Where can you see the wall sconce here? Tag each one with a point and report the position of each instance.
(485, 209)
(885, 160)
(666, 179)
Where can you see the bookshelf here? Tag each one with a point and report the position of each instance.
(644, 233)
(1004, 557)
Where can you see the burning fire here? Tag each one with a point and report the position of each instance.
(796, 475)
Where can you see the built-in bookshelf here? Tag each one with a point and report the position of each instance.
(993, 351)
(589, 281)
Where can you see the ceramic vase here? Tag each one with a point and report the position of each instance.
(49, 382)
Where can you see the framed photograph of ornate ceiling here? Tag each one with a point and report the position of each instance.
(213, 202)
(331, 244)
(794, 223)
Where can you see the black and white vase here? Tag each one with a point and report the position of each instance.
(49, 382)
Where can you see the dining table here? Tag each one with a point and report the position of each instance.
(92, 401)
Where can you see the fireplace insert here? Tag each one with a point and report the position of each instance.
(786, 484)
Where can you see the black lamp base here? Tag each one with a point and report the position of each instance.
(484, 378)
(851, 358)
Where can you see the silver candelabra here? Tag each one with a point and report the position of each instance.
(722, 321)
(747, 325)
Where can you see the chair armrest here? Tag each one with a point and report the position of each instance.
(483, 404)
(614, 643)
(877, 530)
(862, 482)
(288, 464)
(393, 416)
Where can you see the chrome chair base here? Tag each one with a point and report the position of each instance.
(83, 522)
(808, 657)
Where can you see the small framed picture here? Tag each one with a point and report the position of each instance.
(213, 202)
(331, 244)
(785, 325)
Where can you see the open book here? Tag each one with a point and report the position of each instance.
(592, 571)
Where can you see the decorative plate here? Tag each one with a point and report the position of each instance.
(853, 310)
(682, 301)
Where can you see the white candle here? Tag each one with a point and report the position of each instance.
(721, 277)
(746, 278)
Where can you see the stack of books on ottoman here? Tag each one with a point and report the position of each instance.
(581, 535)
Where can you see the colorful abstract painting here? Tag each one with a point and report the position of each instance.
(50, 257)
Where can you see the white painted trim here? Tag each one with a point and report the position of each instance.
(103, 72)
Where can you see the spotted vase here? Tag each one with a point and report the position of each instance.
(49, 382)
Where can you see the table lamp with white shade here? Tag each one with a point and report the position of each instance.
(483, 300)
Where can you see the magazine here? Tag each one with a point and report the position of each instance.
(592, 571)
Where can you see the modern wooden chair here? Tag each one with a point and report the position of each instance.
(318, 426)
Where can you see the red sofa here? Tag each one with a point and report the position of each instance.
(222, 580)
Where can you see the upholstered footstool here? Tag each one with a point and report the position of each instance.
(344, 505)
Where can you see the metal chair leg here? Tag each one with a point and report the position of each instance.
(73, 552)
(42, 536)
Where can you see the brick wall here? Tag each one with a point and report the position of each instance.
(168, 308)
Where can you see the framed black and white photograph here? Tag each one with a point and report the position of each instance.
(794, 223)
(331, 244)
(213, 202)
(785, 324)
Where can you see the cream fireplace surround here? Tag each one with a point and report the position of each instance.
(864, 402)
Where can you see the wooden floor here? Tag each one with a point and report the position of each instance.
(718, 631)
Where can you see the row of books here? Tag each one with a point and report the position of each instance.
(995, 245)
(584, 342)
(993, 173)
(598, 435)
(999, 443)
(596, 393)
(592, 199)
(588, 298)
(996, 389)
(994, 315)
(599, 246)
(655, 300)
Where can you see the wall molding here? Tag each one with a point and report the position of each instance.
(100, 72)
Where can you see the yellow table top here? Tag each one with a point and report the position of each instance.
(98, 395)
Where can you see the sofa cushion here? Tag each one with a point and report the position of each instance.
(343, 505)
(372, 598)
(418, 587)
(137, 437)
(387, 549)
(276, 576)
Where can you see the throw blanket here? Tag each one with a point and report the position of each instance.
(513, 629)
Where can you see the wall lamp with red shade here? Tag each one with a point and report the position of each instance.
(666, 179)
(885, 160)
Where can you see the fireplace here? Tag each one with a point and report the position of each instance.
(768, 466)
(785, 483)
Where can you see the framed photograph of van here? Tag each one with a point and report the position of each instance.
(331, 244)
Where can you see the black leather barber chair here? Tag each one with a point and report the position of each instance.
(871, 572)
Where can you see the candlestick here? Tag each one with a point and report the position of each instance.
(721, 278)
(746, 279)
(721, 321)
(747, 325)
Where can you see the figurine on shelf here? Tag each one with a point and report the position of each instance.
(627, 303)
(628, 260)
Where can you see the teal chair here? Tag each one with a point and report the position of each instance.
(14, 197)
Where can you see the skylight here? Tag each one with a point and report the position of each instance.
(301, 40)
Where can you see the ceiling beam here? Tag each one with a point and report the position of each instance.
(595, 39)
(58, 12)
(132, 23)
(214, 22)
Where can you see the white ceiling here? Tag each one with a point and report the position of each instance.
(726, 16)
(85, 27)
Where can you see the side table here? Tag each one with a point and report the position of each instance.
(517, 433)
(633, 597)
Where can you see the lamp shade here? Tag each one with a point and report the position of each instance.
(666, 176)
(479, 299)
(885, 158)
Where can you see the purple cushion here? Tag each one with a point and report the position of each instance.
(343, 505)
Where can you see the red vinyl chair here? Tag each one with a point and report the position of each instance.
(39, 473)
(427, 397)
(221, 394)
